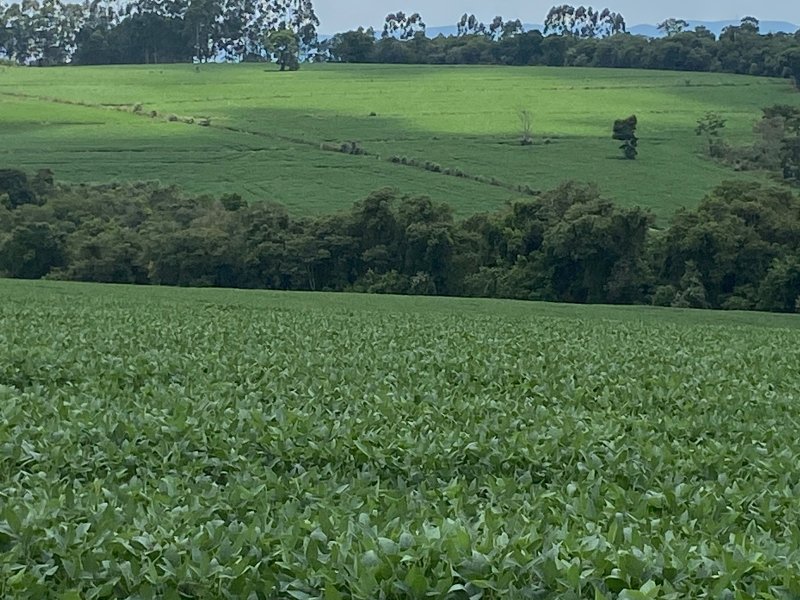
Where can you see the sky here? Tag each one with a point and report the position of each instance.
(342, 15)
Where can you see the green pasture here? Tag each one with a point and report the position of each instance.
(167, 443)
(267, 129)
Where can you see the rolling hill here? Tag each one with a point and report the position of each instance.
(448, 132)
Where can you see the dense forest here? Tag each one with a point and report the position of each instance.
(740, 249)
(53, 32)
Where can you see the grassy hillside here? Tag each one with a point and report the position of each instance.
(164, 443)
(267, 129)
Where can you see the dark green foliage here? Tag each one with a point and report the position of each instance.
(790, 159)
(691, 292)
(791, 59)
(740, 49)
(284, 45)
(353, 148)
(664, 295)
(105, 252)
(625, 132)
(353, 46)
(31, 250)
(232, 202)
(738, 250)
(16, 189)
(728, 245)
(571, 245)
(780, 289)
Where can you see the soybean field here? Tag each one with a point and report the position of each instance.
(175, 444)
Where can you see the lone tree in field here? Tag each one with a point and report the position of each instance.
(285, 47)
(625, 131)
(711, 126)
(525, 126)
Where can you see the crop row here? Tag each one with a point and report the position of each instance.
(186, 449)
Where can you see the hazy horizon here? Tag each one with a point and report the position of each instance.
(342, 16)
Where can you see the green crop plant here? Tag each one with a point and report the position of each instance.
(162, 443)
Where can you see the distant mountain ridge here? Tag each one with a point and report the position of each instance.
(648, 30)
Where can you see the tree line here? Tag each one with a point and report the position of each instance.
(739, 249)
(587, 42)
(51, 32)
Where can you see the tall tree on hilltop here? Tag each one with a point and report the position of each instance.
(202, 20)
(19, 31)
(672, 26)
(500, 29)
(750, 24)
(3, 29)
(583, 22)
(297, 16)
(470, 25)
(403, 26)
(236, 36)
(496, 30)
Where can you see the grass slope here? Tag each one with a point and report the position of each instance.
(267, 128)
(165, 443)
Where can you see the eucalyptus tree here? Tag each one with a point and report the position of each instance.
(403, 26)
(583, 22)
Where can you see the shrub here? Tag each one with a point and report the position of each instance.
(664, 295)
(625, 132)
(353, 148)
(422, 284)
(738, 303)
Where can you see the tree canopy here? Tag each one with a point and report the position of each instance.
(740, 249)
